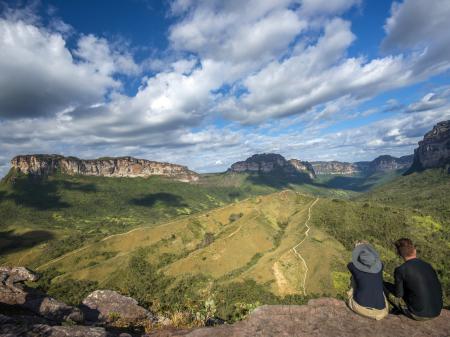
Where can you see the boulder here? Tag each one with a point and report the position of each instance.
(26, 327)
(109, 307)
(13, 292)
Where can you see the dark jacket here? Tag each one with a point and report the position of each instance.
(417, 283)
(367, 288)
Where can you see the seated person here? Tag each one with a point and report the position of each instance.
(417, 292)
(366, 296)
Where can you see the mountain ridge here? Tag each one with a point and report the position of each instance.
(45, 164)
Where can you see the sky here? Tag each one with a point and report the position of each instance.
(206, 83)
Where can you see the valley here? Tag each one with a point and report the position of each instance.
(267, 231)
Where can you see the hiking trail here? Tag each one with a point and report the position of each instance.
(294, 249)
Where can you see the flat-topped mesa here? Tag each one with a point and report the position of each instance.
(384, 163)
(335, 167)
(434, 149)
(45, 165)
(272, 162)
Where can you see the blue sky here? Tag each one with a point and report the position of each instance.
(206, 83)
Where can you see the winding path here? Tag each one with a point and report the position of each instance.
(294, 249)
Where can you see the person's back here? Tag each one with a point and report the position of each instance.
(366, 295)
(367, 287)
(417, 283)
(417, 291)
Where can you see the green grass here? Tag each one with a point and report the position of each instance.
(351, 221)
(226, 238)
(427, 191)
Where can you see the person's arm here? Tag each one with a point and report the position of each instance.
(398, 283)
(351, 267)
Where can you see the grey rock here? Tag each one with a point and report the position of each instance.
(12, 292)
(434, 149)
(25, 327)
(109, 306)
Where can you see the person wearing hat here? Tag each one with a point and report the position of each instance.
(366, 297)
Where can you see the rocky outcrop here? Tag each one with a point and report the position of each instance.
(334, 167)
(383, 163)
(434, 149)
(303, 166)
(45, 165)
(27, 326)
(13, 293)
(110, 307)
(272, 163)
(320, 318)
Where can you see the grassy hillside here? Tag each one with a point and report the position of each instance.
(223, 250)
(226, 240)
(61, 213)
(427, 191)
(70, 210)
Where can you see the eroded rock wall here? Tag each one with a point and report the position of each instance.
(43, 165)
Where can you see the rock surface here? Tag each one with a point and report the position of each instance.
(44, 165)
(334, 167)
(271, 162)
(434, 149)
(27, 327)
(320, 318)
(383, 163)
(109, 306)
(13, 293)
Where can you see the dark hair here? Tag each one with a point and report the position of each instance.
(405, 247)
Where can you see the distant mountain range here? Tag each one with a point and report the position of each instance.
(382, 163)
(433, 151)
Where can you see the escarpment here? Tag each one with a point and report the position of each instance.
(267, 163)
(434, 149)
(45, 165)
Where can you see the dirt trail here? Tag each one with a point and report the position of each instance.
(294, 249)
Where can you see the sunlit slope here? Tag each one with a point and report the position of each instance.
(427, 191)
(251, 239)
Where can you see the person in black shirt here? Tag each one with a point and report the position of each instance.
(417, 291)
(366, 296)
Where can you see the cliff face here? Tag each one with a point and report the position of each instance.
(44, 165)
(272, 162)
(334, 167)
(383, 163)
(303, 166)
(434, 149)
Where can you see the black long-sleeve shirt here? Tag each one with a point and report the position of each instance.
(417, 283)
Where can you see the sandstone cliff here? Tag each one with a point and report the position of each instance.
(334, 167)
(272, 163)
(383, 163)
(44, 165)
(434, 149)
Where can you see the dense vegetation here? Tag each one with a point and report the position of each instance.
(63, 213)
(414, 206)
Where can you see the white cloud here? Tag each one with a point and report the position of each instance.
(39, 76)
(420, 26)
(97, 53)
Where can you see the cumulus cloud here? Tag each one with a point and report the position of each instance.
(420, 26)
